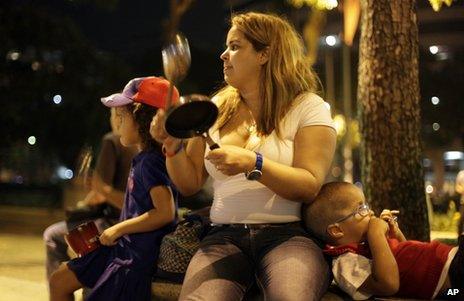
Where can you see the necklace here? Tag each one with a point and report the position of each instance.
(252, 140)
(250, 126)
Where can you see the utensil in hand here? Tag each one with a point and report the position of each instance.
(194, 114)
(176, 62)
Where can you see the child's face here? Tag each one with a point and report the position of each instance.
(355, 223)
(128, 129)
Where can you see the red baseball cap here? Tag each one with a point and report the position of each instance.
(151, 90)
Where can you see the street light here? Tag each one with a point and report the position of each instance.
(331, 40)
(433, 49)
(31, 140)
(435, 100)
(57, 99)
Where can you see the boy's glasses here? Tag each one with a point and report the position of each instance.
(363, 210)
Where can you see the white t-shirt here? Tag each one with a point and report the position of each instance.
(350, 271)
(238, 200)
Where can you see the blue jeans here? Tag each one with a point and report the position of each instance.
(285, 262)
(55, 245)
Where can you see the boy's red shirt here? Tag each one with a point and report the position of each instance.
(420, 263)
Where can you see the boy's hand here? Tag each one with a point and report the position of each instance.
(109, 236)
(379, 225)
(388, 214)
(390, 217)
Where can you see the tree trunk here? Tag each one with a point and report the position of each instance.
(388, 98)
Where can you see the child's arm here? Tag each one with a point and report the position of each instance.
(162, 214)
(385, 279)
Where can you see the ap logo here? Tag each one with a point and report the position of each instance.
(452, 292)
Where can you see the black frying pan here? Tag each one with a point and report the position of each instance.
(192, 116)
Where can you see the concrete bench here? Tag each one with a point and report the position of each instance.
(168, 291)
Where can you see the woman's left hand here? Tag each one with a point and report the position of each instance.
(109, 236)
(232, 160)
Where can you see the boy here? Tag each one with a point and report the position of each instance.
(371, 256)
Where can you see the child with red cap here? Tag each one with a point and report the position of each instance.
(122, 267)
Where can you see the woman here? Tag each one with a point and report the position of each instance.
(277, 143)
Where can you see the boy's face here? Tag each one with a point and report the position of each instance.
(355, 221)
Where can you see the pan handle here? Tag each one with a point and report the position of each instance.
(212, 145)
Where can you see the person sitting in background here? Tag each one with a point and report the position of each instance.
(371, 256)
(108, 186)
(122, 267)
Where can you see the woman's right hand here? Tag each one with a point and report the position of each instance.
(158, 132)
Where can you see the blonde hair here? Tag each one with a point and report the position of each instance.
(286, 74)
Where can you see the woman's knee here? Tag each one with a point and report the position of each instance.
(294, 270)
(220, 272)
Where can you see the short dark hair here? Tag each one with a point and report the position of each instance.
(327, 207)
(143, 115)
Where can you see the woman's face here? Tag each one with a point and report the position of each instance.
(128, 129)
(242, 64)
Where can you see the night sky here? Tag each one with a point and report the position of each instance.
(81, 51)
(85, 49)
(135, 31)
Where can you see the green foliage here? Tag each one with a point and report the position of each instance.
(437, 4)
(446, 222)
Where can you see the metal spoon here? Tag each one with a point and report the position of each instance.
(176, 62)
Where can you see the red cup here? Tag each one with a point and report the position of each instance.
(83, 239)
